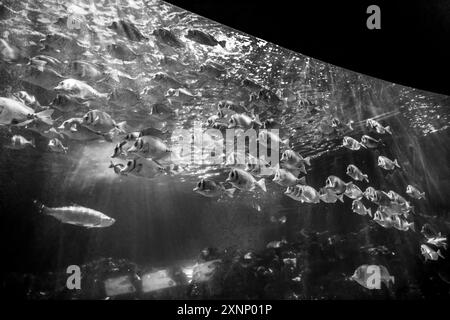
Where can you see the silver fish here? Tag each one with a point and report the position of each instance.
(415, 193)
(210, 188)
(359, 208)
(244, 180)
(329, 196)
(352, 144)
(375, 125)
(79, 216)
(387, 164)
(356, 174)
(56, 145)
(370, 142)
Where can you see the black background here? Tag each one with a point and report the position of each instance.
(410, 49)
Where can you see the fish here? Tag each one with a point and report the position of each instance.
(180, 95)
(382, 220)
(352, 144)
(212, 189)
(244, 180)
(353, 191)
(402, 224)
(430, 254)
(18, 143)
(329, 196)
(141, 167)
(118, 168)
(74, 129)
(231, 105)
(265, 97)
(79, 90)
(204, 38)
(240, 120)
(167, 37)
(387, 164)
(85, 71)
(415, 193)
(64, 44)
(121, 52)
(162, 111)
(27, 99)
(51, 133)
(285, 178)
(127, 29)
(359, 208)
(101, 121)
(124, 97)
(150, 147)
(55, 145)
(375, 125)
(293, 160)
(303, 193)
(43, 77)
(66, 103)
(212, 70)
(370, 142)
(132, 136)
(78, 215)
(13, 112)
(356, 174)
(372, 276)
(119, 151)
(336, 184)
(377, 196)
(439, 241)
(164, 79)
(11, 54)
(172, 64)
(338, 125)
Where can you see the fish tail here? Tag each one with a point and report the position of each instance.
(222, 43)
(111, 165)
(396, 163)
(45, 116)
(412, 226)
(33, 142)
(262, 184)
(230, 192)
(388, 130)
(308, 161)
(392, 279)
(257, 121)
(422, 195)
(301, 180)
(341, 197)
(440, 254)
(349, 125)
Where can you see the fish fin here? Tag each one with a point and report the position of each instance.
(285, 142)
(388, 130)
(412, 226)
(45, 116)
(369, 212)
(122, 127)
(308, 161)
(262, 184)
(396, 163)
(422, 195)
(303, 169)
(366, 177)
(440, 254)
(33, 142)
(107, 136)
(362, 145)
(392, 279)
(230, 192)
(73, 128)
(341, 197)
(222, 43)
(349, 125)
(301, 180)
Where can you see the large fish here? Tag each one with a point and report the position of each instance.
(13, 112)
(78, 215)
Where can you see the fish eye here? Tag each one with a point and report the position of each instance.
(199, 184)
(129, 163)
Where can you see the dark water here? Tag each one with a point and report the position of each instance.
(161, 224)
